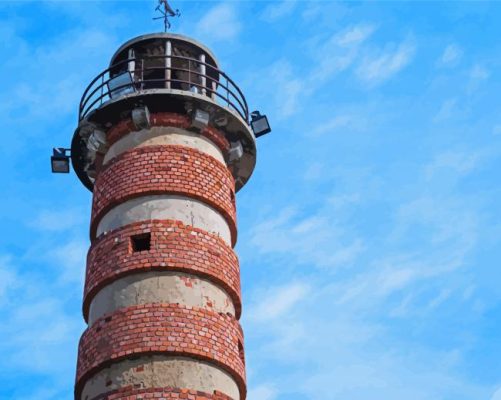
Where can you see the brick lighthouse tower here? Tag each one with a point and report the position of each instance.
(164, 141)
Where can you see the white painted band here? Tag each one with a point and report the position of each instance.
(163, 135)
(160, 371)
(160, 287)
(188, 211)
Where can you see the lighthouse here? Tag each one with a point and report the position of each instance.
(164, 141)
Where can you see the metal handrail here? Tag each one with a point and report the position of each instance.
(230, 94)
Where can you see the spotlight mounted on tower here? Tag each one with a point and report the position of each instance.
(166, 10)
(60, 160)
(259, 124)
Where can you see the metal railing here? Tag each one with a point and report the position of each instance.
(191, 75)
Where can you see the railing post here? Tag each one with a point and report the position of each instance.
(131, 66)
(168, 63)
(189, 75)
(142, 74)
(203, 72)
(102, 86)
(214, 88)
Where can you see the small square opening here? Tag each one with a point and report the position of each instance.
(140, 242)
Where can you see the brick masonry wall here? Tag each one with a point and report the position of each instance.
(165, 329)
(165, 169)
(167, 119)
(167, 393)
(168, 329)
(174, 247)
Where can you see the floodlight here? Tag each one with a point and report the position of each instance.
(259, 124)
(121, 84)
(141, 117)
(200, 119)
(60, 162)
(97, 141)
(221, 120)
(235, 152)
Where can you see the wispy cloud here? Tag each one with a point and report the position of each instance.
(57, 221)
(262, 392)
(479, 73)
(7, 276)
(334, 124)
(338, 52)
(496, 395)
(278, 10)
(355, 35)
(376, 69)
(288, 88)
(317, 239)
(446, 110)
(278, 301)
(37, 333)
(220, 23)
(70, 258)
(460, 162)
(451, 56)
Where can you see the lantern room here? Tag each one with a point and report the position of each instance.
(163, 72)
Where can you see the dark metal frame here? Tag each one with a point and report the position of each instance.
(228, 95)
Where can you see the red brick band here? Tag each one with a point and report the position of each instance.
(167, 393)
(173, 247)
(164, 169)
(167, 119)
(167, 329)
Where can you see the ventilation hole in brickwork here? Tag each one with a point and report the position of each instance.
(107, 319)
(140, 242)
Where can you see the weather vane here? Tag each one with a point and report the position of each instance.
(166, 10)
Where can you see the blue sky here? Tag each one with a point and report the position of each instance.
(369, 233)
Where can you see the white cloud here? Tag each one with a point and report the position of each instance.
(220, 23)
(338, 53)
(374, 70)
(446, 110)
(451, 56)
(278, 301)
(287, 88)
(459, 162)
(57, 220)
(479, 73)
(496, 395)
(37, 335)
(334, 124)
(318, 239)
(342, 200)
(8, 277)
(355, 35)
(262, 392)
(70, 259)
(277, 10)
